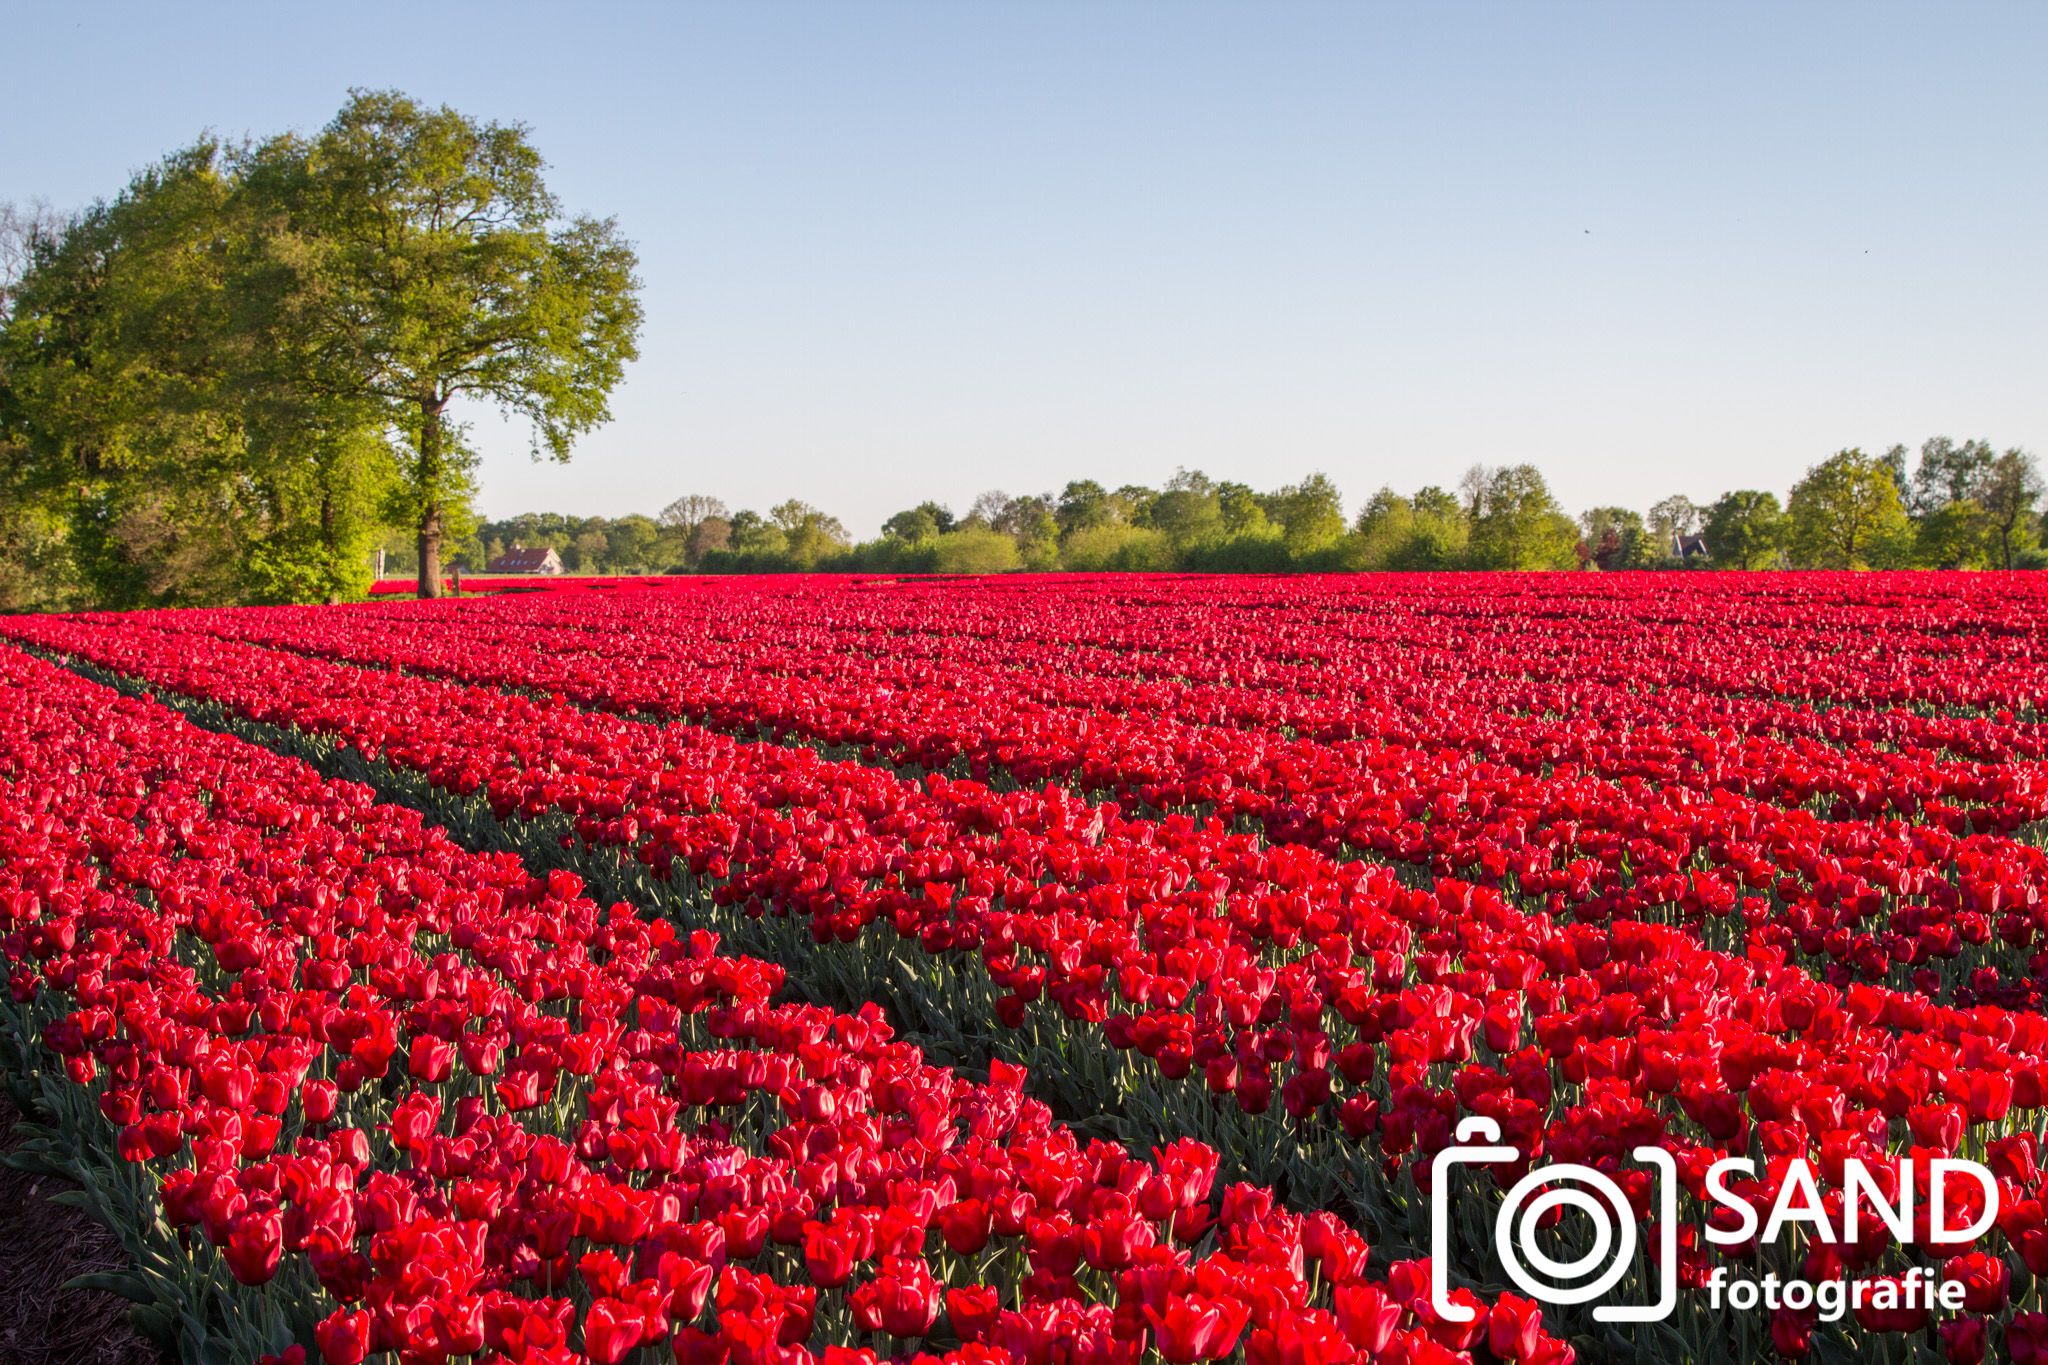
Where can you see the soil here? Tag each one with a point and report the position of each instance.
(41, 1246)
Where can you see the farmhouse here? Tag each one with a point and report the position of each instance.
(519, 559)
(1686, 549)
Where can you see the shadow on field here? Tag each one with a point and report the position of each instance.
(41, 1246)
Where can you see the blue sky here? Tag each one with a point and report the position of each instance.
(904, 250)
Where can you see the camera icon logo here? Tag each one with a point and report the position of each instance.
(1565, 1185)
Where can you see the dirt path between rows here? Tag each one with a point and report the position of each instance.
(41, 1246)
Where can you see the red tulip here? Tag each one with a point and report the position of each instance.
(972, 1310)
(829, 1255)
(965, 1226)
(1513, 1327)
(343, 1337)
(1985, 1279)
(903, 1300)
(1197, 1327)
(1963, 1341)
(611, 1330)
(255, 1243)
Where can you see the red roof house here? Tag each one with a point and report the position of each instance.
(518, 559)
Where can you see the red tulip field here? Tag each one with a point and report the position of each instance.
(1044, 970)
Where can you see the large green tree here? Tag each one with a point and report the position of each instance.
(1520, 525)
(1190, 512)
(1745, 529)
(1310, 515)
(1846, 514)
(152, 418)
(419, 259)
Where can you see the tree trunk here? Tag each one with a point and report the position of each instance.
(331, 559)
(430, 550)
(430, 494)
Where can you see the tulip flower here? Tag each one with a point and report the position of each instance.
(1196, 1328)
(1345, 861)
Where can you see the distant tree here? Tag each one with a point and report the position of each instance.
(809, 535)
(630, 543)
(1970, 504)
(1116, 546)
(1385, 526)
(755, 536)
(1026, 516)
(986, 509)
(678, 525)
(1190, 512)
(974, 549)
(1952, 535)
(1310, 515)
(709, 535)
(1894, 462)
(1242, 514)
(1671, 520)
(585, 552)
(1745, 529)
(919, 523)
(1433, 501)
(1132, 504)
(1472, 485)
(691, 508)
(1082, 504)
(424, 251)
(1032, 524)
(1949, 472)
(1441, 534)
(1520, 525)
(2009, 491)
(1617, 538)
(1846, 514)
(681, 519)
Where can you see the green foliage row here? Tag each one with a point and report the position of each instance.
(1965, 507)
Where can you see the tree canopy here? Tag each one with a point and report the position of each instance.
(224, 382)
(419, 259)
(1846, 514)
(1746, 529)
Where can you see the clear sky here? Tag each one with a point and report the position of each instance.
(903, 250)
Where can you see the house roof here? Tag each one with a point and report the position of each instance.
(522, 561)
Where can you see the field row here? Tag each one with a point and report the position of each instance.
(1373, 1012)
(1851, 834)
(440, 1105)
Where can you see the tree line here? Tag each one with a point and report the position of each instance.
(1954, 505)
(231, 380)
